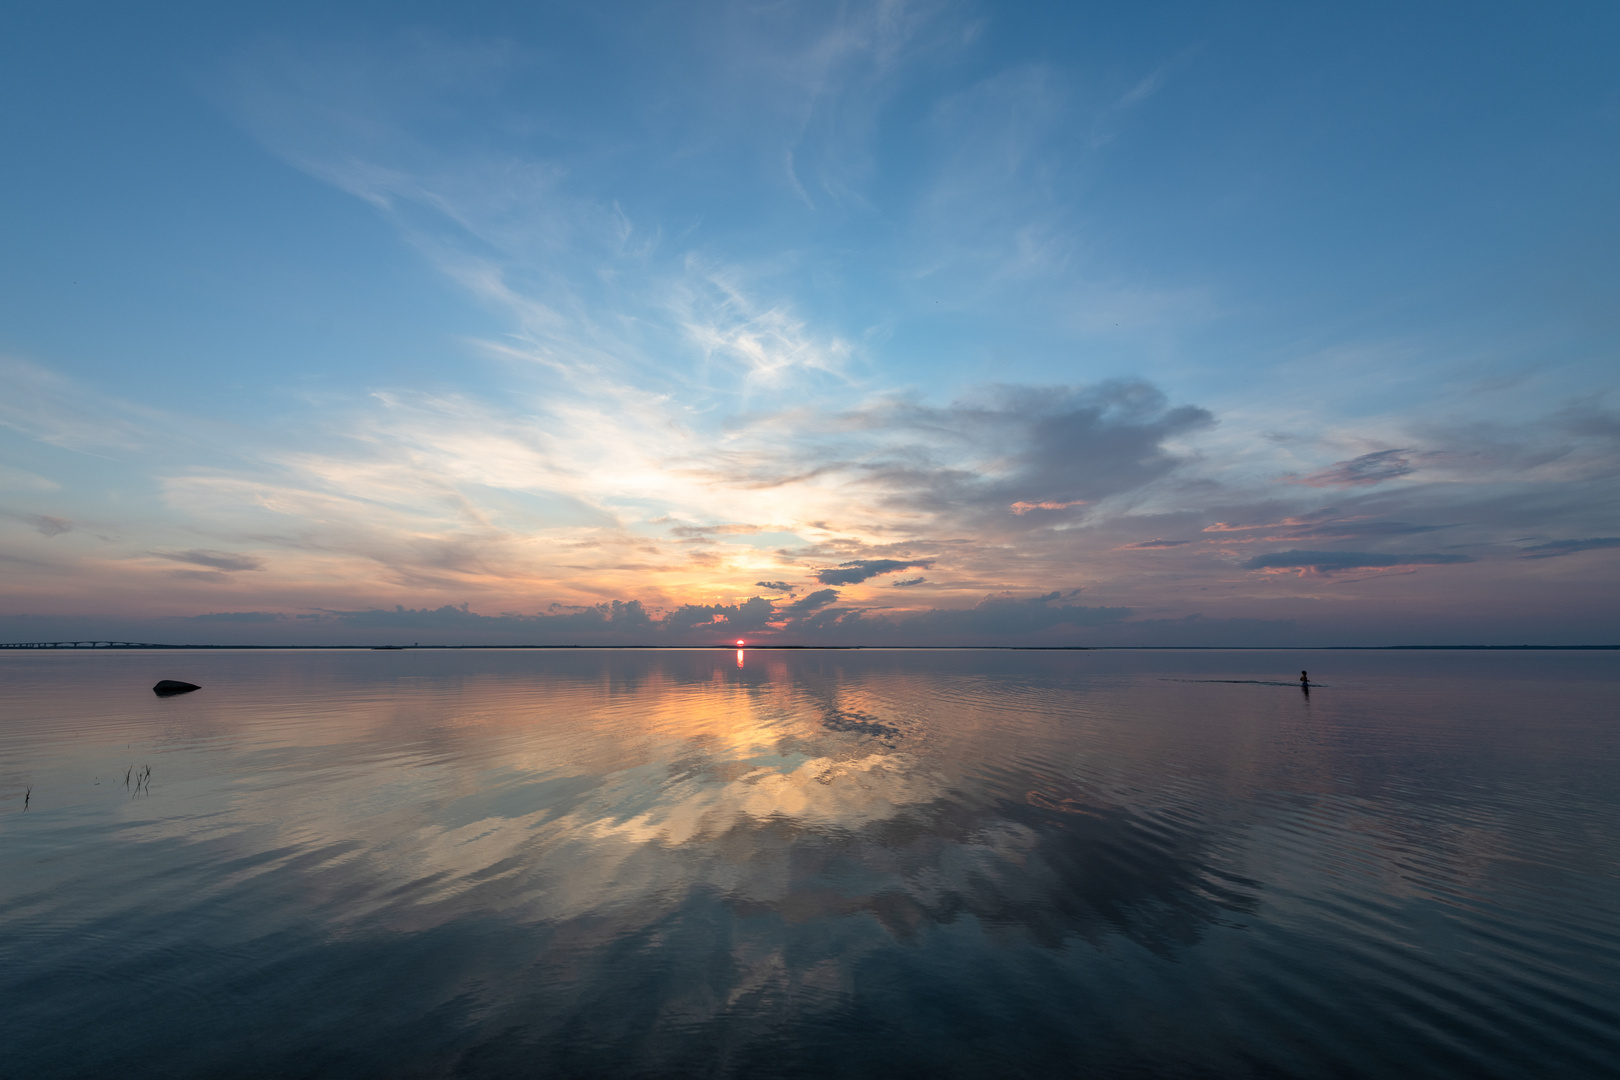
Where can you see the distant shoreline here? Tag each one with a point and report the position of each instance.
(131, 646)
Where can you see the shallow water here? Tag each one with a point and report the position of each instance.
(875, 863)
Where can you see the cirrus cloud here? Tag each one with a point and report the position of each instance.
(218, 560)
(1569, 547)
(1364, 471)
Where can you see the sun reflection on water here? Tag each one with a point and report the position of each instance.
(769, 853)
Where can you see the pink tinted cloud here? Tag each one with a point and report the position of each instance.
(1155, 544)
(1364, 471)
(1022, 508)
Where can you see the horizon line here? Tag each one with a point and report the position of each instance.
(104, 645)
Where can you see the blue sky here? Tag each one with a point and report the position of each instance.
(1160, 324)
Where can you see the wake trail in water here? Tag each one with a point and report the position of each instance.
(1245, 682)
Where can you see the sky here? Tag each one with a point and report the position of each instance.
(1232, 324)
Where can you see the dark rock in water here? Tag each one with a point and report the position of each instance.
(170, 687)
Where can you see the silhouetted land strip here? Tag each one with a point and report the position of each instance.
(102, 644)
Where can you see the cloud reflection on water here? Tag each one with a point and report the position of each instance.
(622, 863)
(785, 790)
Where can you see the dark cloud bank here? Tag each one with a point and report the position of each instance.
(1326, 562)
(853, 573)
(813, 619)
(1008, 459)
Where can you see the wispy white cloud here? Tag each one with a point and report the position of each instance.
(55, 409)
(685, 398)
(12, 479)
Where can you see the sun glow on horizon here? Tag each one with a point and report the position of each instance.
(648, 383)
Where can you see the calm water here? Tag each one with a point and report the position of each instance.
(485, 863)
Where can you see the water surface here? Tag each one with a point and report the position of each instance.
(878, 863)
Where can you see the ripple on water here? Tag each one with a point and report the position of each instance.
(955, 864)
